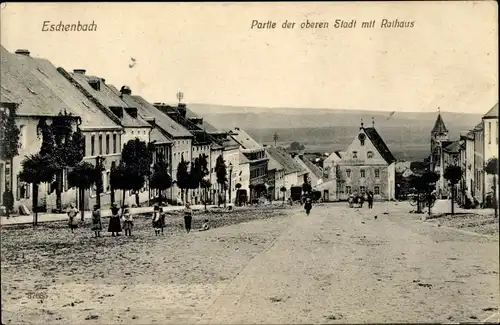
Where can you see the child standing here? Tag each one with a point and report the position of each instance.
(114, 221)
(96, 221)
(157, 220)
(72, 213)
(188, 217)
(128, 222)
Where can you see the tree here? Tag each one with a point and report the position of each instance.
(135, 163)
(453, 174)
(221, 174)
(37, 169)
(9, 138)
(8, 201)
(83, 176)
(205, 184)
(283, 191)
(64, 143)
(296, 146)
(423, 185)
(491, 168)
(195, 174)
(183, 176)
(127, 177)
(160, 179)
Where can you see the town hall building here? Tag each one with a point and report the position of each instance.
(366, 166)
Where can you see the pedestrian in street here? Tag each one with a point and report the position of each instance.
(128, 222)
(188, 217)
(370, 200)
(114, 222)
(96, 221)
(308, 204)
(158, 219)
(72, 213)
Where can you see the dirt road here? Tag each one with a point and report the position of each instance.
(337, 265)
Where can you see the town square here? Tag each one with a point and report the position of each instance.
(196, 182)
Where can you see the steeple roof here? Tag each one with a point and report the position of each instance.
(492, 113)
(439, 126)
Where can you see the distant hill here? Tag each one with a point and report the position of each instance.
(226, 117)
(325, 130)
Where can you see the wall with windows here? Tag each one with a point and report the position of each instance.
(363, 178)
(478, 164)
(133, 133)
(182, 147)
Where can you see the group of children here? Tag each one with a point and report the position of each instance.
(124, 220)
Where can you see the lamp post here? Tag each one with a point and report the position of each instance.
(230, 179)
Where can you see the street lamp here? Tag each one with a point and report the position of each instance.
(230, 178)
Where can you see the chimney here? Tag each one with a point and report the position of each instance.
(150, 120)
(79, 71)
(23, 52)
(118, 111)
(132, 111)
(125, 90)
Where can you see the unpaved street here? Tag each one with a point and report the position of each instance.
(338, 265)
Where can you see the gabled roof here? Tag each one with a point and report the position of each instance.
(439, 126)
(204, 125)
(312, 167)
(107, 96)
(285, 160)
(453, 147)
(147, 110)
(379, 144)
(157, 136)
(244, 139)
(478, 127)
(40, 90)
(492, 113)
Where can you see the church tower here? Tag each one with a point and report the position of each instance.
(439, 134)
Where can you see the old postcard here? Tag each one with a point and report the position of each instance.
(241, 163)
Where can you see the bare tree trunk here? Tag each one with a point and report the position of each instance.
(137, 198)
(59, 178)
(495, 195)
(35, 204)
(123, 198)
(82, 203)
(453, 199)
(225, 197)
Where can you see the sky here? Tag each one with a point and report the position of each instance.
(209, 51)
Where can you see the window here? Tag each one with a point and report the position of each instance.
(362, 171)
(348, 173)
(369, 154)
(354, 154)
(348, 190)
(377, 173)
(362, 142)
(23, 189)
(21, 136)
(108, 174)
(92, 145)
(376, 190)
(362, 189)
(114, 143)
(489, 132)
(107, 143)
(100, 144)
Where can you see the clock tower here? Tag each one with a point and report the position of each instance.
(439, 134)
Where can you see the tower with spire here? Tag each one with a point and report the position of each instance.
(439, 134)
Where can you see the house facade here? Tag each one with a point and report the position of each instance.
(42, 92)
(290, 173)
(490, 133)
(367, 165)
(479, 163)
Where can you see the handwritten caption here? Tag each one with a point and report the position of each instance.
(37, 295)
(338, 23)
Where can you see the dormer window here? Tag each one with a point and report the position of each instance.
(369, 154)
(96, 84)
(354, 154)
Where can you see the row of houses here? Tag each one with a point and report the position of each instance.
(471, 152)
(110, 116)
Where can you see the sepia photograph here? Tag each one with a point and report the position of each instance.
(249, 163)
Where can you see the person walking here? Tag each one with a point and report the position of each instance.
(308, 204)
(114, 222)
(72, 213)
(96, 221)
(128, 222)
(188, 217)
(370, 200)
